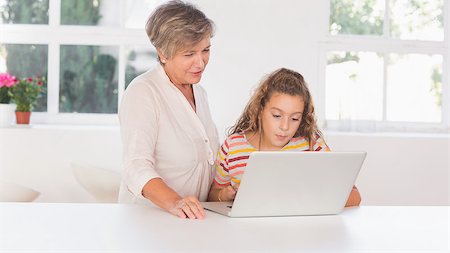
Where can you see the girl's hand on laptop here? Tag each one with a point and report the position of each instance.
(228, 193)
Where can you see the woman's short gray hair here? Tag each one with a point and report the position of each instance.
(176, 25)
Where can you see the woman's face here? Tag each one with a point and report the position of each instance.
(186, 67)
(280, 120)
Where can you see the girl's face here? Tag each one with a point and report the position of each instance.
(280, 119)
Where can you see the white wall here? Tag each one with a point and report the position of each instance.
(253, 38)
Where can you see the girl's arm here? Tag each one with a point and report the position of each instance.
(221, 189)
(354, 199)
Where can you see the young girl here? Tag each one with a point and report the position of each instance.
(279, 116)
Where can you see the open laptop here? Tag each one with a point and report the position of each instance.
(293, 183)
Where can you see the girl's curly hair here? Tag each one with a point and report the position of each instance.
(283, 81)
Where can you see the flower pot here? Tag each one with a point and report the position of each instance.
(23, 117)
(7, 114)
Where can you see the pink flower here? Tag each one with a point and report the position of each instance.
(29, 79)
(40, 83)
(7, 80)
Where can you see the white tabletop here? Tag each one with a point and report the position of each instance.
(57, 227)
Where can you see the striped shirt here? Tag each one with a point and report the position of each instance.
(234, 153)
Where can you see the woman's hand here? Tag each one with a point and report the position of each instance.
(188, 207)
(163, 196)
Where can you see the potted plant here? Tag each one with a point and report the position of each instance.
(6, 107)
(25, 93)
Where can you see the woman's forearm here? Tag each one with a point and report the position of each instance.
(163, 196)
(160, 194)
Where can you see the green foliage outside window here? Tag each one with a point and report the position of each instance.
(436, 85)
(24, 12)
(426, 12)
(80, 12)
(22, 60)
(87, 80)
(346, 17)
(352, 17)
(130, 71)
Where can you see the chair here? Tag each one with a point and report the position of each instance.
(101, 183)
(11, 192)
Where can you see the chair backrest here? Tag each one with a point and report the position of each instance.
(11, 192)
(102, 184)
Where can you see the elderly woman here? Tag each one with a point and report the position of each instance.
(169, 138)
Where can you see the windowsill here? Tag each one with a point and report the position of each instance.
(374, 128)
(68, 120)
(61, 127)
(386, 134)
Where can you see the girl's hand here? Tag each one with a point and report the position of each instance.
(228, 193)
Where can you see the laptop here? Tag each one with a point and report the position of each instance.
(293, 183)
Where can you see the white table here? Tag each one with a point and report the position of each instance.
(61, 227)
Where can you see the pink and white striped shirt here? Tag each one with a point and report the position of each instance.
(234, 153)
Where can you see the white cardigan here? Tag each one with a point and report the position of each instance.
(162, 136)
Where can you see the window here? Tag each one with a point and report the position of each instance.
(88, 50)
(386, 66)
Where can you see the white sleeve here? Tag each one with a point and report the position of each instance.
(138, 116)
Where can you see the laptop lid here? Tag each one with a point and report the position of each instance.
(295, 183)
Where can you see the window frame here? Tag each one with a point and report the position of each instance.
(54, 35)
(384, 45)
